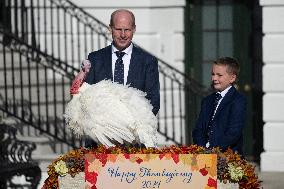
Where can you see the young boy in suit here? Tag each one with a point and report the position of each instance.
(222, 116)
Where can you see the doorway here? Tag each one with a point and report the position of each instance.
(217, 28)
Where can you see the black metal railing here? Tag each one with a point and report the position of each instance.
(67, 33)
(35, 88)
(16, 160)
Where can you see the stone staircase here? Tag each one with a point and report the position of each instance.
(27, 88)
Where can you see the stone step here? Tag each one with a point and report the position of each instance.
(44, 90)
(35, 139)
(43, 144)
(29, 77)
(46, 144)
(13, 59)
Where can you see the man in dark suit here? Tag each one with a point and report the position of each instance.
(222, 116)
(139, 69)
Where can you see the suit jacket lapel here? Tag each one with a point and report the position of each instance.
(210, 109)
(108, 63)
(134, 65)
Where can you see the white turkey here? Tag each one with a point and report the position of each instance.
(109, 112)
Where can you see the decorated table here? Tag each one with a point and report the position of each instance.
(168, 167)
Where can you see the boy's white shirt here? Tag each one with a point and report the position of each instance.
(223, 93)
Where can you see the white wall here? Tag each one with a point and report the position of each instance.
(272, 159)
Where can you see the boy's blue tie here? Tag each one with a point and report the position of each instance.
(217, 97)
(119, 68)
(216, 100)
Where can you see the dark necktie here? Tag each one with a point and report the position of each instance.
(217, 97)
(119, 68)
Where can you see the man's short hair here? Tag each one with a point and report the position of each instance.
(232, 63)
(122, 10)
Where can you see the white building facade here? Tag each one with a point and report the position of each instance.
(272, 159)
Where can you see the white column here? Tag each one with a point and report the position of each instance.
(272, 159)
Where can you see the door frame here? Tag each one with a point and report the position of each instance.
(247, 33)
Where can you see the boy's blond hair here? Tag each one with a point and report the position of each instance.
(233, 66)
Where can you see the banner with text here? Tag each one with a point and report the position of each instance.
(165, 171)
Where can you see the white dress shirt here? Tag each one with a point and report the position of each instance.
(126, 60)
(223, 93)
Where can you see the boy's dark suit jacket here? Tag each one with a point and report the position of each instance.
(143, 72)
(228, 123)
